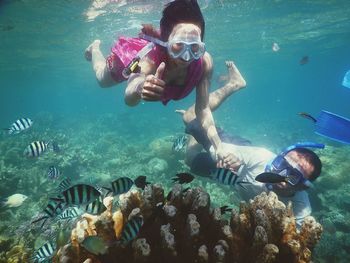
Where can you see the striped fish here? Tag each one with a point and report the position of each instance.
(53, 172)
(228, 177)
(131, 229)
(45, 252)
(79, 194)
(64, 184)
(179, 143)
(52, 209)
(35, 149)
(95, 208)
(20, 125)
(69, 213)
(74, 211)
(120, 186)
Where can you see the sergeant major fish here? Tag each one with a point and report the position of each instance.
(45, 252)
(52, 209)
(96, 207)
(64, 184)
(131, 229)
(97, 246)
(79, 194)
(228, 177)
(69, 213)
(179, 143)
(53, 172)
(120, 186)
(20, 125)
(36, 148)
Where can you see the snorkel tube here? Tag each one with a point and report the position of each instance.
(133, 65)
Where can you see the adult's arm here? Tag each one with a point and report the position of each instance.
(301, 207)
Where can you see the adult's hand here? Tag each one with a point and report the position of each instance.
(154, 86)
(226, 159)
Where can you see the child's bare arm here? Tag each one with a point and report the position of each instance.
(136, 81)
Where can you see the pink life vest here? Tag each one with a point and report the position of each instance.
(126, 49)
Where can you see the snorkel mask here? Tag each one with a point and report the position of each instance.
(187, 48)
(292, 172)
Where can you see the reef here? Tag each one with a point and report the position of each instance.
(12, 251)
(184, 227)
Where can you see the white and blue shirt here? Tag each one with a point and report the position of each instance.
(254, 160)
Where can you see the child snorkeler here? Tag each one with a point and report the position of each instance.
(172, 68)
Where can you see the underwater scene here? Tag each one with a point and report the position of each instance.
(88, 174)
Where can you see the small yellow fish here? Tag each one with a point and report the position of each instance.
(15, 200)
(95, 245)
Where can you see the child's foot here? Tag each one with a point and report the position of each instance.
(235, 79)
(88, 51)
(181, 112)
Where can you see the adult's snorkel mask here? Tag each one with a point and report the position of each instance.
(187, 48)
(292, 172)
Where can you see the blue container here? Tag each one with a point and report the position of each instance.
(346, 80)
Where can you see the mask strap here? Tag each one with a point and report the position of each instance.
(302, 145)
(153, 39)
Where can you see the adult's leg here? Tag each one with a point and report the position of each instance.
(94, 54)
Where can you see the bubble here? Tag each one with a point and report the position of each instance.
(275, 47)
(346, 80)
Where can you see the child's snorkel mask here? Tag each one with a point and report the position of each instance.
(187, 47)
(288, 169)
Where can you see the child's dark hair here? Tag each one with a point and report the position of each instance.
(181, 11)
(312, 158)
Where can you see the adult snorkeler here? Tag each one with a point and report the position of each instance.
(177, 64)
(253, 170)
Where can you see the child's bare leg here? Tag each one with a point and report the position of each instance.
(94, 54)
(234, 83)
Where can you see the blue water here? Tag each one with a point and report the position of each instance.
(43, 70)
